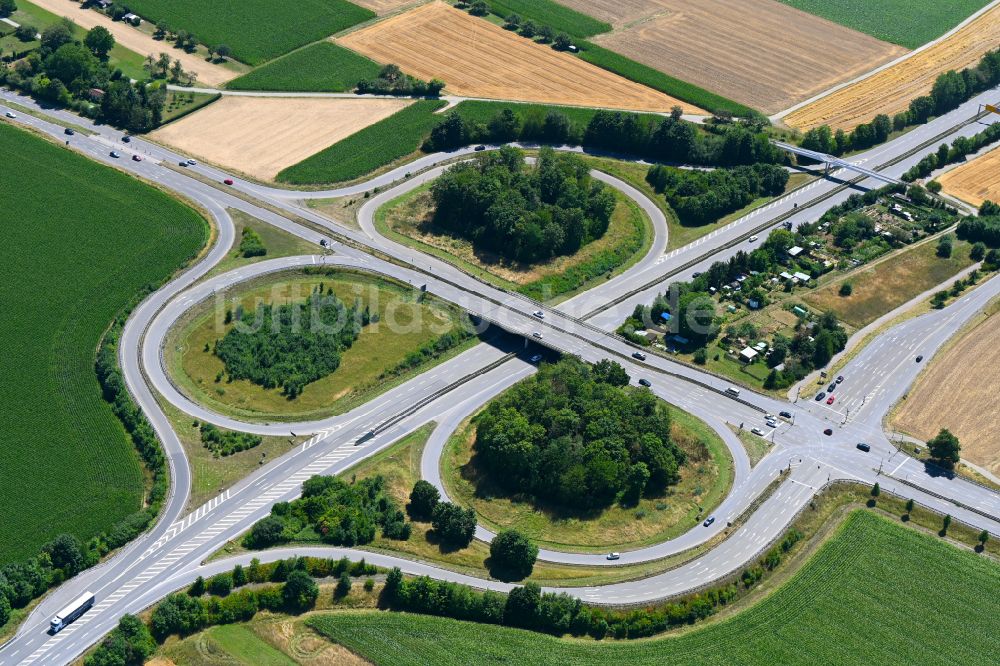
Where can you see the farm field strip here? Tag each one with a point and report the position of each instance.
(260, 136)
(135, 40)
(974, 181)
(890, 90)
(795, 55)
(476, 58)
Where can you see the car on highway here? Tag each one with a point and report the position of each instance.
(919, 359)
(830, 400)
(709, 521)
(536, 358)
(136, 158)
(114, 153)
(191, 162)
(479, 148)
(757, 431)
(228, 181)
(840, 378)
(696, 274)
(639, 356)
(752, 239)
(864, 447)
(613, 556)
(126, 139)
(828, 432)
(644, 382)
(820, 396)
(68, 131)
(537, 334)
(10, 114)
(539, 314)
(182, 163)
(785, 415)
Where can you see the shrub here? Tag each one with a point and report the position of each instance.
(299, 592)
(512, 555)
(423, 498)
(453, 525)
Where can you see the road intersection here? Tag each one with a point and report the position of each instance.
(171, 554)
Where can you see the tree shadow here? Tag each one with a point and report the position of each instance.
(504, 574)
(936, 470)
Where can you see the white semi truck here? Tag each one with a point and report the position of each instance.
(74, 610)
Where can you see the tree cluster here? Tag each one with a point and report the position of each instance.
(392, 80)
(701, 197)
(574, 436)
(226, 442)
(984, 229)
(128, 644)
(543, 34)
(669, 139)
(61, 558)
(453, 525)
(944, 449)
(431, 349)
(950, 89)
(811, 347)
(960, 148)
(343, 514)
(251, 244)
(7, 7)
(293, 344)
(519, 212)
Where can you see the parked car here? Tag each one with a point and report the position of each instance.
(830, 400)
(757, 431)
(820, 396)
(613, 556)
(639, 355)
(828, 432)
(539, 314)
(228, 181)
(864, 447)
(709, 521)
(136, 158)
(840, 378)
(537, 334)
(69, 131)
(785, 415)
(644, 382)
(115, 154)
(831, 387)
(773, 423)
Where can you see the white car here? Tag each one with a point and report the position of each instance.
(757, 431)
(536, 358)
(773, 423)
(191, 162)
(537, 334)
(752, 239)
(613, 556)
(10, 114)
(539, 314)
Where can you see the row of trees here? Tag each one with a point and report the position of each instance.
(702, 197)
(543, 34)
(392, 80)
(950, 89)
(985, 228)
(521, 213)
(959, 149)
(573, 435)
(293, 344)
(339, 513)
(670, 139)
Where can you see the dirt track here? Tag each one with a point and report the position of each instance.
(134, 40)
(759, 52)
(479, 59)
(959, 392)
(260, 136)
(891, 90)
(975, 181)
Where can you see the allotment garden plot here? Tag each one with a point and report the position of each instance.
(758, 52)
(260, 136)
(476, 58)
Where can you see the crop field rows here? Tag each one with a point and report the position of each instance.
(87, 239)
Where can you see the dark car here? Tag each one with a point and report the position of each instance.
(840, 378)
(820, 396)
(785, 415)
(696, 274)
(919, 359)
(479, 147)
(828, 432)
(639, 355)
(831, 387)
(864, 447)
(644, 382)
(68, 131)
(115, 154)
(228, 181)
(126, 139)
(709, 521)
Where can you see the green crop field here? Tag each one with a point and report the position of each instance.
(319, 67)
(255, 30)
(546, 12)
(909, 23)
(876, 593)
(80, 241)
(373, 147)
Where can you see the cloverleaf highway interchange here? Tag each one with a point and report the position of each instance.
(814, 438)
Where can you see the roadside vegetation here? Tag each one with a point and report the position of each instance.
(904, 22)
(320, 67)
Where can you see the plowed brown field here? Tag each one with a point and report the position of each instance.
(891, 90)
(479, 59)
(975, 181)
(959, 392)
(260, 136)
(759, 52)
(619, 13)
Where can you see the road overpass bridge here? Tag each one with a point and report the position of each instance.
(830, 161)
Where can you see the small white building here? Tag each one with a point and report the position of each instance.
(748, 355)
(802, 277)
(132, 18)
(794, 251)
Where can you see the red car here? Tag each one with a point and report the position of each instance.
(136, 158)
(228, 181)
(830, 400)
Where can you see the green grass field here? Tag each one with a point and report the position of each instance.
(372, 148)
(876, 593)
(319, 67)
(81, 241)
(909, 23)
(255, 30)
(552, 14)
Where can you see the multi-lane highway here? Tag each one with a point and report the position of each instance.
(170, 555)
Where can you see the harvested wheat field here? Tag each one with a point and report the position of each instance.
(476, 58)
(976, 180)
(891, 90)
(135, 40)
(758, 52)
(260, 136)
(382, 7)
(958, 391)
